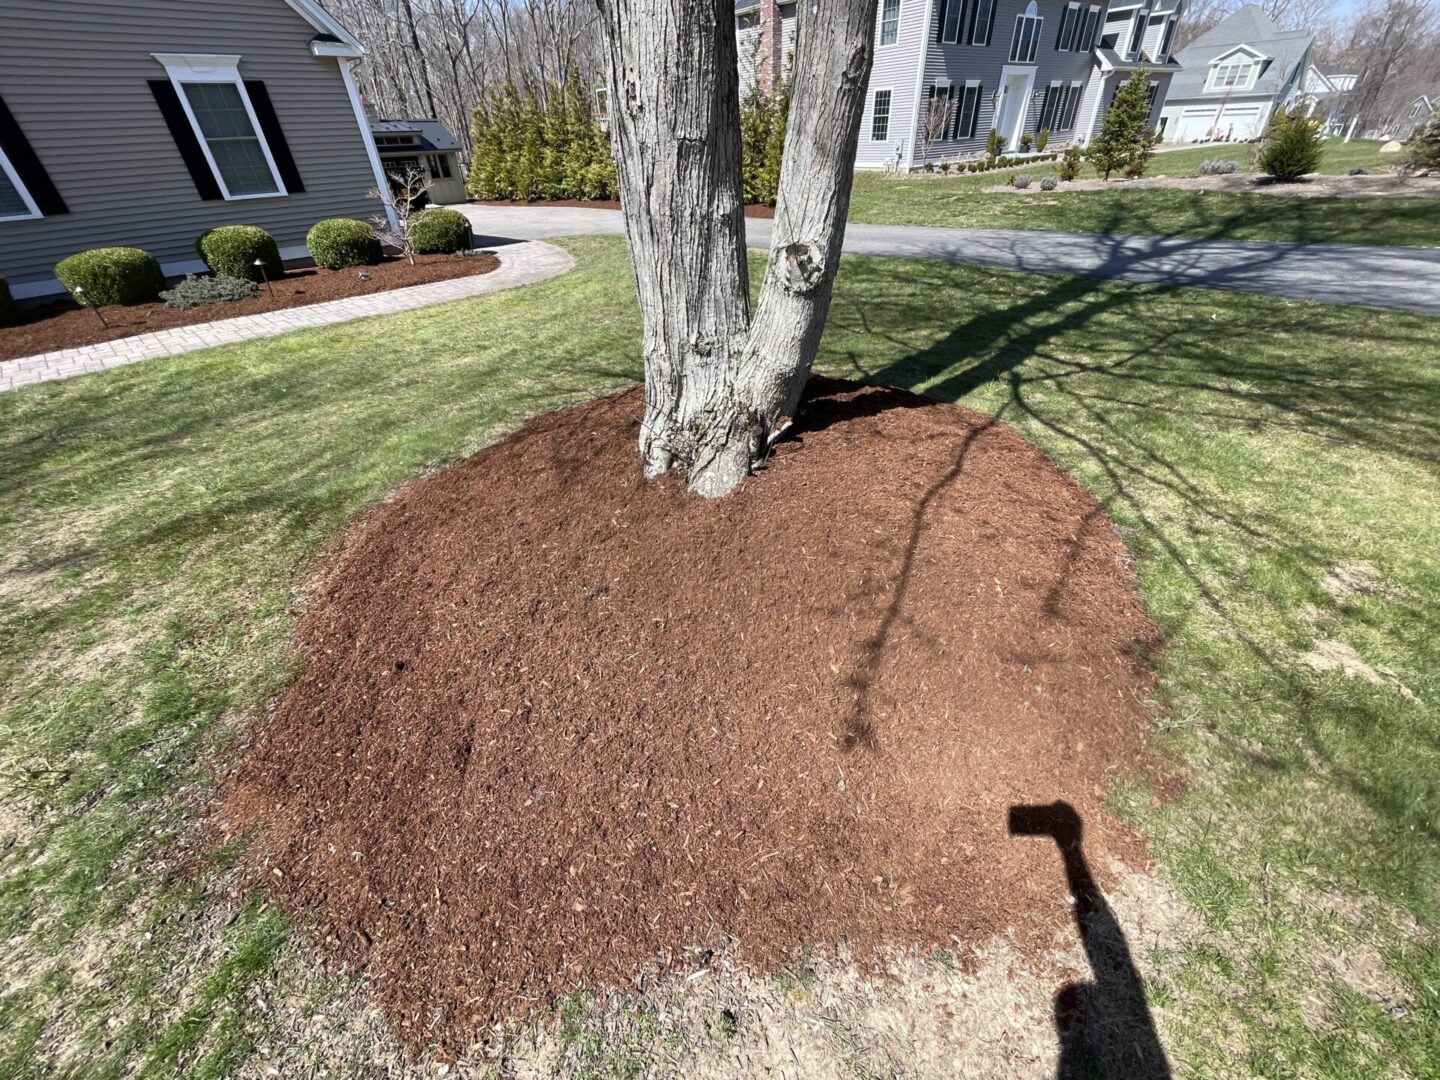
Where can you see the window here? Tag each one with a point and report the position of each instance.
(1150, 93)
(889, 22)
(1027, 35)
(1090, 29)
(15, 202)
(1167, 40)
(1137, 31)
(219, 109)
(954, 13)
(1069, 26)
(968, 113)
(1066, 106)
(880, 116)
(982, 22)
(935, 120)
(440, 166)
(1053, 93)
(1239, 75)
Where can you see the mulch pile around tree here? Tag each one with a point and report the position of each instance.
(64, 324)
(555, 725)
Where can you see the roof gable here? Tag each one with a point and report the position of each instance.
(1250, 23)
(327, 26)
(1243, 52)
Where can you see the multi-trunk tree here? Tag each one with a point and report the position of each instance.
(721, 378)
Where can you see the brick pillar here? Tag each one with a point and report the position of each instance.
(771, 58)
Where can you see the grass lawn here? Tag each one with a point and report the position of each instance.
(1275, 466)
(961, 202)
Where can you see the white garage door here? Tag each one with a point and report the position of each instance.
(1242, 122)
(1194, 125)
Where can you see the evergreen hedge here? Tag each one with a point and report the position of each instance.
(763, 120)
(336, 243)
(231, 250)
(117, 275)
(527, 147)
(1423, 149)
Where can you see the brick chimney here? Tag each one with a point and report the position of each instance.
(771, 58)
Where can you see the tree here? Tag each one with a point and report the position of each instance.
(1125, 140)
(406, 194)
(934, 119)
(1292, 146)
(719, 378)
(1423, 150)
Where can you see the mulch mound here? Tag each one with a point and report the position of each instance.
(555, 724)
(63, 324)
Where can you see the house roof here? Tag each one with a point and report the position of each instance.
(1250, 27)
(429, 134)
(331, 38)
(1110, 60)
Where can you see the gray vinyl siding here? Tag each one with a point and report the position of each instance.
(75, 74)
(747, 43)
(895, 70)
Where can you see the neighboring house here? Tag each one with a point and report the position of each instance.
(1016, 65)
(1413, 114)
(143, 123)
(425, 146)
(1234, 77)
(1326, 97)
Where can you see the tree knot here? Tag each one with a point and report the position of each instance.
(804, 267)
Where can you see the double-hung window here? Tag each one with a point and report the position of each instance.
(968, 114)
(1166, 41)
(1231, 76)
(982, 22)
(1069, 27)
(1137, 32)
(954, 15)
(220, 111)
(1027, 35)
(880, 116)
(16, 203)
(889, 22)
(1053, 93)
(1090, 29)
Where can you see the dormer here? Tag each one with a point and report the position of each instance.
(1235, 71)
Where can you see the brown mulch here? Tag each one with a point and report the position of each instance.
(556, 724)
(63, 324)
(752, 210)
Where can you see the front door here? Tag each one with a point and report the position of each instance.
(1010, 113)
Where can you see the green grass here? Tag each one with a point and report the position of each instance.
(159, 521)
(961, 202)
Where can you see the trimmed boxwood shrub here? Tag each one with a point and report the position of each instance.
(336, 243)
(439, 231)
(8, 310)
(116, 275)
(231, 251)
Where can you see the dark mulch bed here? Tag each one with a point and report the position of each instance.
(63, 324)
(752, 210)
(555, 724)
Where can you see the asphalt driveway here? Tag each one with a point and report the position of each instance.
(1406, 279)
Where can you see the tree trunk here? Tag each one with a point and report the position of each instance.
(716, 386)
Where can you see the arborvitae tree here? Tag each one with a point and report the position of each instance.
(1423, 149)
(1292, 146)
(774, 151)
(555, 145)
(1125, 142)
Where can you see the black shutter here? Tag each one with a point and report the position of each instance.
(940, 23)
(185, 140)
(27, 165)
(270, 128)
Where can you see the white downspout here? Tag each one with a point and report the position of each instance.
(367, 137)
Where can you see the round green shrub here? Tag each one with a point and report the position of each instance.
(111, 276)
(336, 243)
(439, 231)
(231, 251)
(8, 311)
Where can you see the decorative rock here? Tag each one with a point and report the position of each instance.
(1391, 147)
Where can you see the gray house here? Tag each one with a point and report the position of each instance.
(194, 114)
(427, 147)
(1235, 76)
(1020, 66)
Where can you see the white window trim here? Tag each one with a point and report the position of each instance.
(1039, 21)
(880, 42)
(32, 211)
(1076, 13)
(959, 8)
(1212, 84)
(207, 68)
(889, 115)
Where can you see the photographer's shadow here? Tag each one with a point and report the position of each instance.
(1104, 1026)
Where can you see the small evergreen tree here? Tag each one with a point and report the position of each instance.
(1423, 149)
(994, 144)
(1125, 143)
(1042, 140)
(1292, 146)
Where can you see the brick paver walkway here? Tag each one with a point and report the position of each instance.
(520, 264)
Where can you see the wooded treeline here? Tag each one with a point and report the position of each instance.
(442, 58)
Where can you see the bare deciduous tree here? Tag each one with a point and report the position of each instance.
(934, 119)
(407, 192)
(719, 379)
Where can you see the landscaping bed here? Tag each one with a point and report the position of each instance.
(1315, 186)
(557, 726)
(63, 324)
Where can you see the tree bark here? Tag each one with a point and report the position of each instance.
(716, 385)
